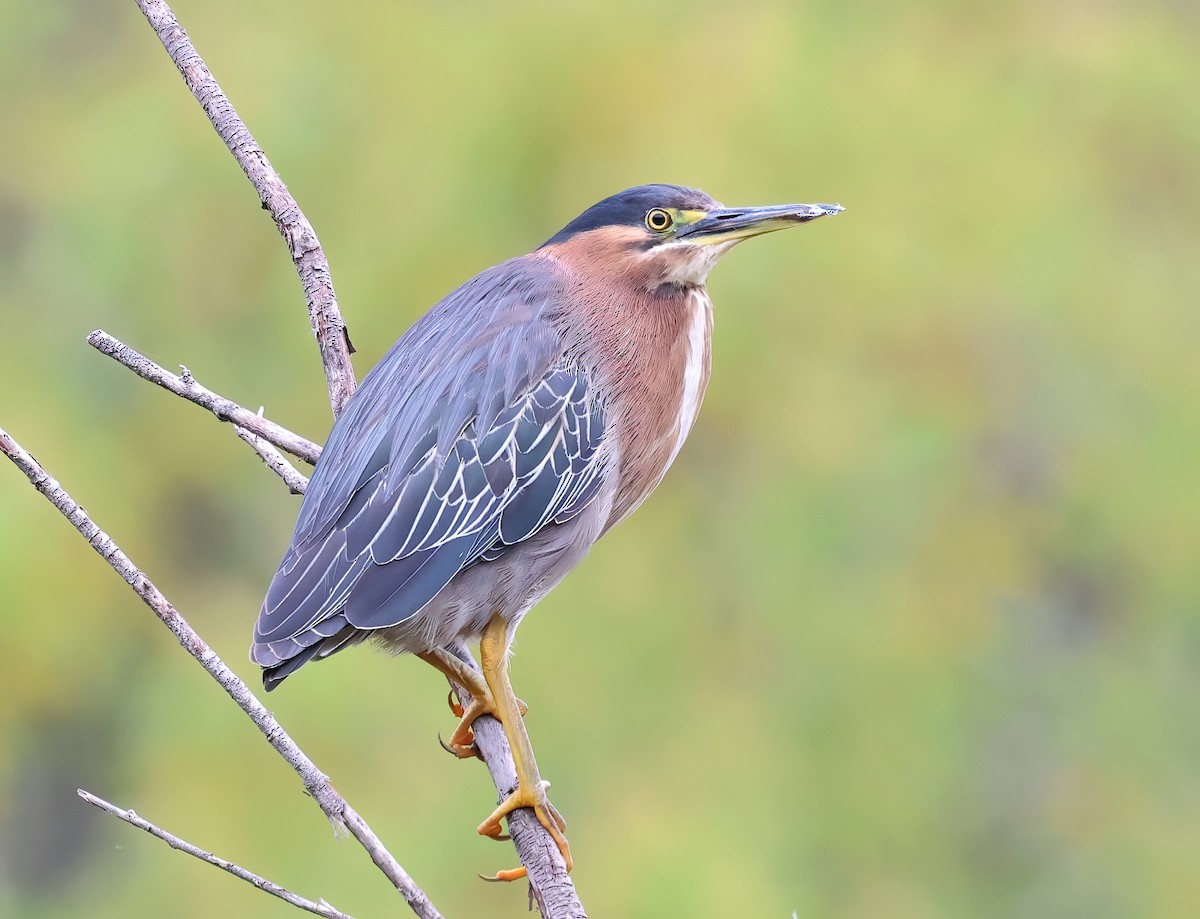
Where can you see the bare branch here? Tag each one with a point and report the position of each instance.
(549, 883)
(321, 908)
(275, 460)
(187, 387)
(305, 248)
(316, 783)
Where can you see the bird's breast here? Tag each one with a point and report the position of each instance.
(697, 363)
(663, 373)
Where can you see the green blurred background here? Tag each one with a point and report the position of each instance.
(911, 630)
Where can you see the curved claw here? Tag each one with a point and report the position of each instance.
(493, 831)
(463, 736)
(500, 837)
(546, 813)
(462, 751)
(511, 874)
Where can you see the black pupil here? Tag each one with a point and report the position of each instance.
(659, 220)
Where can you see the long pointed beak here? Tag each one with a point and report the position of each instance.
(731, 224)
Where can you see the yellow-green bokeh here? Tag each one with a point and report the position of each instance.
(912, 629)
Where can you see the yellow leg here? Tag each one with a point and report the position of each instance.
(531, 790)
(462, 741)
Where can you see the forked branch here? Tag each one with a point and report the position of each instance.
(315, 782)
(321, 908)
(274, 460)
(305, 249)
(185, 385)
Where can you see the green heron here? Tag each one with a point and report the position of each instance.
(511, 427)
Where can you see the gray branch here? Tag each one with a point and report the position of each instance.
(274, 460)
(187, 387)
(549, 884)
(321, 908)
(316, 783)
(305, 248)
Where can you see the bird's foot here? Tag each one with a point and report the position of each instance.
(458, 711)
(482, 702)
(462, 741)
(547, 814)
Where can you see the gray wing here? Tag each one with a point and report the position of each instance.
(473, 433)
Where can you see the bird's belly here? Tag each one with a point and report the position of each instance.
(509, 586)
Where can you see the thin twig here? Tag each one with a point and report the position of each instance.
(305, 248)
(186, 386)
(321, 908)
(316, 783)
(275, 460)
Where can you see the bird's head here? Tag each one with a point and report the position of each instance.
(668, 234)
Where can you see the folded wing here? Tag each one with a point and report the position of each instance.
(474, 433)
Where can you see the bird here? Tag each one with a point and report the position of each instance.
(519, 420)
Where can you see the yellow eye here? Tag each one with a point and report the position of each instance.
(659, 220)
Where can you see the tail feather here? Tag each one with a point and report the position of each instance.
(276, 673)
